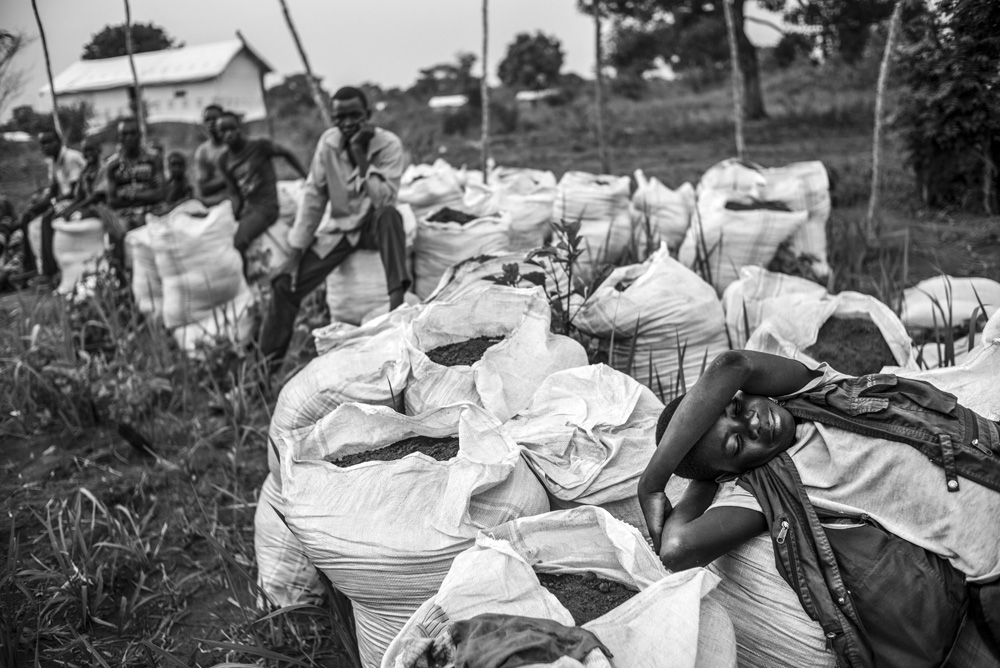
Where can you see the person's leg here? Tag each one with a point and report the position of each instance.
(49, 266)
(253, 222)
(279, 322)
(384, 232)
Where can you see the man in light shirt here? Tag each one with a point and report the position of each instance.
(355, 174)
(65, 166)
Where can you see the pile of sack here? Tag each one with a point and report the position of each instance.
(187, 273)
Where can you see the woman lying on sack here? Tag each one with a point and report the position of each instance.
(881, 495)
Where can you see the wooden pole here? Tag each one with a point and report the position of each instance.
(734, 56)
(871, 221)
(322, 104)
(140, 111)
(484, 93)
(48, 71)
(602, 149)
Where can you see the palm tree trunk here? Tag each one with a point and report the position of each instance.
(602, 149)
(484, 92)
(871, 221)
(737, 77)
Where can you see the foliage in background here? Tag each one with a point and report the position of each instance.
(949, 116)
(690, 35)
(72, 118)
(837, 27)
(109, 42)
(12, 79)
(532, 62)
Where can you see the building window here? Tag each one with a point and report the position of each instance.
(180, 93)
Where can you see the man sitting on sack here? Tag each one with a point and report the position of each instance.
(881, 495)
(65, 166)
(134, 184)
(354, 177)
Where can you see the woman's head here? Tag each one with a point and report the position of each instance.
(751, 431)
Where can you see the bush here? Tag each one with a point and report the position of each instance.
(950, 67)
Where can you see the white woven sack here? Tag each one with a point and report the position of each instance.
(815, 198)
(366, 365)
(147, 288)
(771, 627)
(232, 321)
(428, 188)
(386, 533)
(790, 331)
(198, 265)
(726, 240)
(77, 246)
(468, 278)
(733, 176)
(498, 576)
(528, 195)
(357, 286)
(665, 313)
(440, 245)
(35, 241)
(802, 186)
(600, 203)
(588, 434)
(957, 298)
(506, 377)
(284, 572)
(660, 214)
(757, 294)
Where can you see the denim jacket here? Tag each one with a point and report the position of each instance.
(869, 589)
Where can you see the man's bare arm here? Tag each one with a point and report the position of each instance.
(696, 535)
(291, 159)
(752, 372)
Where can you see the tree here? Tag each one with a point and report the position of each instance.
(949, 64)
(688, 34)
(110, 41)
(844, 26)
(12, 79)
(532, 62)
(448, 79)
(73, 119)
(292, 97)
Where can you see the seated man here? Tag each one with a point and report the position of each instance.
(211, 183)
(178, 186)
(65, 166)
(863, 451)
(355, 172)
(89, 189)
(248, 167)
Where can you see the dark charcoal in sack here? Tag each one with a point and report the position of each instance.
(441, 449)
(447, 215)
(854, 346)
(587, 596)
(462, 353)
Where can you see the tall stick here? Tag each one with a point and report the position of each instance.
(321, 103)
(602, 149)
(484, 93)
(140, 111)
(734, 56)
(48, 71)
(871, 222)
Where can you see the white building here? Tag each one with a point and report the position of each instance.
(176, 83)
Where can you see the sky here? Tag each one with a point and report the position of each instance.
(347, 41)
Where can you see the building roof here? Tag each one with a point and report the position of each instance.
(184, 65)
(447, 101)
